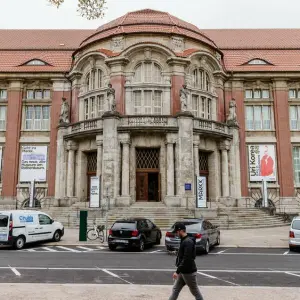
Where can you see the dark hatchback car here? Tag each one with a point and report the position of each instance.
(133, 233)
(205, 234)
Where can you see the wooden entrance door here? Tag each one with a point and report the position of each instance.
(91, 170)
(141, 186)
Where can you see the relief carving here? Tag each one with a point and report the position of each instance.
(117, 44)
(177, 44)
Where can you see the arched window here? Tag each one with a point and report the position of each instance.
(147, 72)
(87, 82)
(201, 80)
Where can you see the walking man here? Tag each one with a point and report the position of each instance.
(186, 273)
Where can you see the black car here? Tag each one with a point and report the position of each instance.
(133, 233)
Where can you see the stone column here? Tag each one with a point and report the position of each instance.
(99, 143)
(60, 158)
(72, 147)
(170, 166)
(196, 154)
(225, 178)
(125, 168)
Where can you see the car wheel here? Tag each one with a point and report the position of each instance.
(291, 248)
(112, 247)
(206, 250)
(19, 243)
(142, 245)
(56, 236)
(218, 241)
(158, 238)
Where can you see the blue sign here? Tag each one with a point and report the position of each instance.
(27, 219)
(187, 186)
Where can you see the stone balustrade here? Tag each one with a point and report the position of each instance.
(86, 125)
(208, 125)
(148, 121)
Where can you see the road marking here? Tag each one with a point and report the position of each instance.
(254, 254)
(49, 249)
(68, 249)
(30, 250)
(287, 252)
(289, 273)
(100, 247)
(217, 278)
(85, 248)
(114, 275)
(17, 273)
(220, 252)
(156, 251)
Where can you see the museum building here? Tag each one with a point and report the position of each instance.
(148, 103)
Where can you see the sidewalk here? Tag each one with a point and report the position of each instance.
(136, 292)
(276, 237)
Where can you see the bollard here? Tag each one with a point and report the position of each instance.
(83, 225)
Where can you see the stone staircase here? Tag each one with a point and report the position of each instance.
(164, 217)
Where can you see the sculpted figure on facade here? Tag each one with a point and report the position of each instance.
(183, 97)
(232, 117)
(64, 112)
(111, 98)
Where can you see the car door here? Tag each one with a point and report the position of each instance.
(153, 231)
(206, 231)
(45, 228)
(213, 233)
(145, 230)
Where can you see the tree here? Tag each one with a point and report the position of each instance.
(90, 9)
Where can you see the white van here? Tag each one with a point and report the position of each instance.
(18, 227)
(294, 241)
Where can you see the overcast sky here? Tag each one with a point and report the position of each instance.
(27, 14)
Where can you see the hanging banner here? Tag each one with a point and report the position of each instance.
(262, 162)
(33, 163)
(1, 153)
(94, 192)
(201, 192)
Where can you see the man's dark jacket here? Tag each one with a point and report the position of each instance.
(185, 261)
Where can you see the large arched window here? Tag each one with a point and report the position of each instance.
(94, 80)
(201, 80)
(147, 90)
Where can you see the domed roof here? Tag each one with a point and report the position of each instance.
(148, 21)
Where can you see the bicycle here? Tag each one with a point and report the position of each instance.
(96, 232)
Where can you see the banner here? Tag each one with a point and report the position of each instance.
(1, 153)
(262, 162)
(33, 163)
(201, 192)
(95, 192)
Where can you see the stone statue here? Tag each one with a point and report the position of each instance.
(183, 97)
(111, 98)
(232, 117)
(64, 112)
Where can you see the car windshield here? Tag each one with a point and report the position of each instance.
(124, 225)
(3, 221)
(190, 226)
(296, 225)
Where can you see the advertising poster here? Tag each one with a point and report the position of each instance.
(262, 162)
(33, 163)
(201, 192)
(95, 192)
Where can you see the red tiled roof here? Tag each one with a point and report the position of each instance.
(42, 39)
(255, 38)
(281, 60)
(146, 21)
(59, 61)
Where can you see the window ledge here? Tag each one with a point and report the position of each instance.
(267, 130)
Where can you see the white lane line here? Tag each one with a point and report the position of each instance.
(100, 247)
(217, 278)
(114, 275)
(156, 251)
(17, 273)
(30, 250)
(68, 249)
(254, 254)
(220, 252)
(289, 273)
(287, 252)
(49, 249)
(85, 248)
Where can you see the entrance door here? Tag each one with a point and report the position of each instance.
(142, 186)
(203, 168)
(91, 170)
(153, 188)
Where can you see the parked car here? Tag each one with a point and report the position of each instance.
(203, 231)
(133, 233)
(294, 240)
(19, 227)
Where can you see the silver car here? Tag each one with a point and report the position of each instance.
(205, 234)
(294, 240)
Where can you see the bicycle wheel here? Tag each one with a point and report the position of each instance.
(92, 234)
(101, 236)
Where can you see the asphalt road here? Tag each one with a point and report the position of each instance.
(97, 265)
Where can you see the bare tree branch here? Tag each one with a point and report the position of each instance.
(89, 9)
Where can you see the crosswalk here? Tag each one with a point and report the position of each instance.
(60, 249)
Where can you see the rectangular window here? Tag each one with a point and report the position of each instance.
(209, 109)
(258, 117)
(3, 94)
(257, 94)
(46, 94)
(203, 109)
(265, 94)
(3, 110)
(100, 79)
(37, 117)
(38, 94)
(294, 117)
(248, 94)
(292, 94)
(92, 107)
(30, 94)
(148, 72)
(147, 102)
(157, 103)
(86, 109)
(195, 105)
(100, 105)
(137, 100)
(296, 160)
